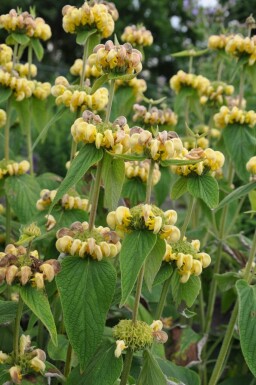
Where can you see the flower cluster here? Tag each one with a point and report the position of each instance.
(20, 265)
(25, 23)
(141, 170)
(137, 336)
(251, 165)
(183, 79)
(5, 54)
(216, 93)
(117, 59)
(90, 129)
(211, 161)
(218, 42)
(10, 168)
(137, 35)
(78, 240)
(164, 146)
(228, 116)
(96, 14)
(187, 258)
(90, 69)
(23, 70)
(144, 217)
(22, 87)
(29, 360)
(154, 116)
(68, 202)
(2, 118)
(139, 86)
(239, 46)
(41, 90)
(74, 97)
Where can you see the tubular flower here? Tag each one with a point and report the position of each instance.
(120, 346)
(98, 14)
(41, 90)
(21, 86)
(187, 258)
(5, 53)
(25, 23)
(113, 137)
(218, 42)
(90, 69)
(251, 166)
(154, 116)
(144, 217)
(139, 86)
(79, 241)
(10, 168)
(117, 59)
(187, 80)
(29, 360)
(228, 116)
(141, 170)
(165, 145)
(216, 93)
(18, 265)
(67, 202)
(210, 160)
(76, 97)
(23, 70)
(2, 118)
(137, 36)
(239, 46)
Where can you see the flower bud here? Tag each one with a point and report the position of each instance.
(48, 271)
(120, 346)
(39, 280)
(11, 273)
(15, 373)
(25, 274)
(37, 364)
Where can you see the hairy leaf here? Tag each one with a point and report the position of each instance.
(204, 187)
(113, 176)
(185, 292)
(151, 373)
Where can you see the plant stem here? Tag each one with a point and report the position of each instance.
(85, 56)
(190, 65)
(15, 54)
(7, 131)
(220, 69)
(149, 181)
(163, 296)
(192, 201)
(95, 197)
(68, 361)
(138, 293)
(127, 367)
(29, 138)
(229, 333)
(17, 329)
(7, 221)
(241, 88)
(201, 309)
(110, 100)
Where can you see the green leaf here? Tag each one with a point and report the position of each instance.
(4, 374)
(236, 194)
(247, 322)
(123, 102)
(23, 109)
(184, 375)
(240, 142)
(151, 373)
(38, 302)
(82, 36)
(113, 76)
(5, 93)
(189, 53)
(153, 262)
(163, 274)
(238, 380)
(136, 247)
(23, 192)
(20, 38)
(134, 190)
(128, 156)
(185, 292)
(8, 310)
(188, 337)
(162, 188)
(103, 368)
(49, 180)
(227, 280)
(93, 40)
(37, 48)
(59, 352)
(88, 155)
(179, 162)
(113, 174)
(179, 188)
(86, 290)
(99, 83)
(204, 187)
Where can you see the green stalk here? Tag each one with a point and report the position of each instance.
(29, 135)
(229, 333)
(7, 157)
(162, 300)
(127, 367)
(220, 69)
(96, 189)
(241, 88)
(190, 65)
(138, 294)
(149, 181)
(68, 361)
(85, 57)
(17, 329)
(15, 54)
(192, 201)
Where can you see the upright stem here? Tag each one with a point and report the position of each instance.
(15, 54)
(188, 216)
(7, 221)
(127, 367)
(190, 65)
(110, 100)
(138, 293)
(7, 131)
(29, 138)
(220, 69)
(229, 333)
(17, 329)
(149, 181)
(163, 297)
(68, 361)
(241, 88)
(85, 56)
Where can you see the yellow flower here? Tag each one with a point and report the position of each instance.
(120, 346)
